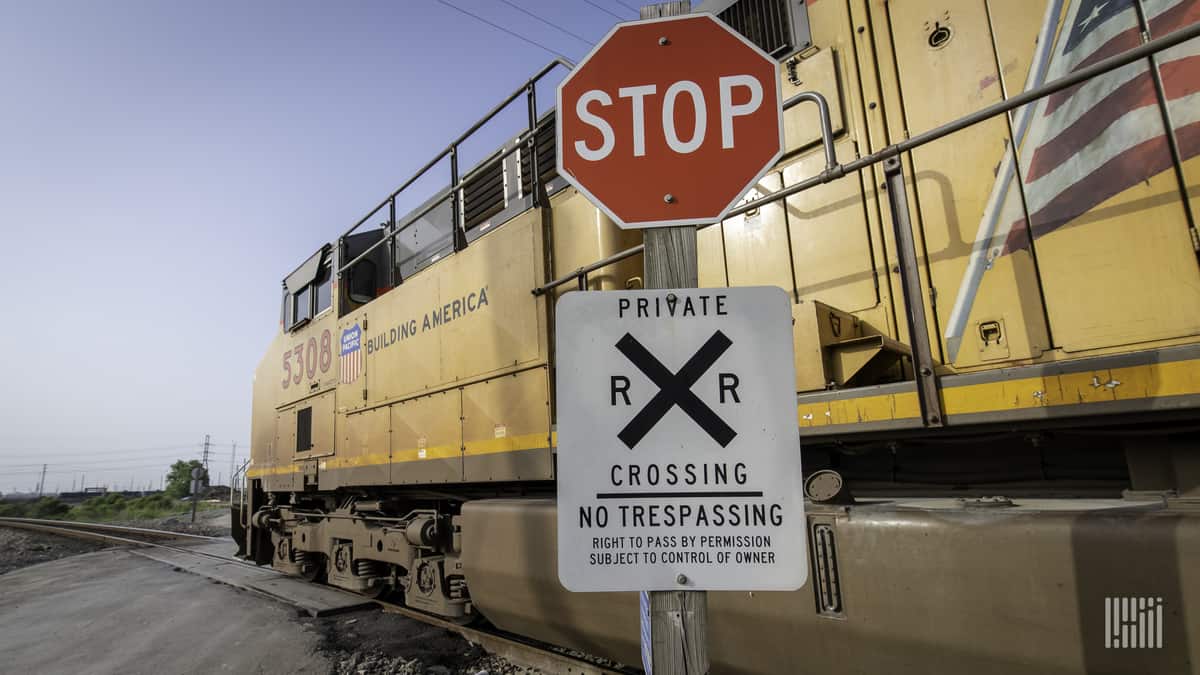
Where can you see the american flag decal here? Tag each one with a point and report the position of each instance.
(1103, 136)
(350, 356)
(1085, 144)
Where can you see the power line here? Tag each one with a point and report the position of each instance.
(73, 467)
(73, 470)
(548, 23)
(630, 8)
(108, 448)
(503, 29)
(84, 453)
(104, 449)
(84, 466)
(89, 459)
(606, 10)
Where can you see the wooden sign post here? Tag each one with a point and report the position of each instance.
(678, 619)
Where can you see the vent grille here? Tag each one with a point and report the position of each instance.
(828, 584)
(547, 159)
(766, 23)
(483, 193)
(303, 429)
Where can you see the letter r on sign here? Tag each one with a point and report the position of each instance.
(620, 385)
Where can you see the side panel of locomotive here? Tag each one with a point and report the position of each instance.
(1091, 255)
(442, 379)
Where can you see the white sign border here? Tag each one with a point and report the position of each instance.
(691, 583)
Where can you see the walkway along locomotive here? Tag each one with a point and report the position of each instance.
(997, 336)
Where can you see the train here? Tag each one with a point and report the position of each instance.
(997, 355)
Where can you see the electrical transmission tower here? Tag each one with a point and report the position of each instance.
(206, 443)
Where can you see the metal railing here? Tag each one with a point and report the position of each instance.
(237, 482)
(831, 164)
(833, 170)
(454, 191)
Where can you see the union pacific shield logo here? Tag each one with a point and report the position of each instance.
(351, 354)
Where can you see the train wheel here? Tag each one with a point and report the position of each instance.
(377, 591)
(312, 565)
(380, 574)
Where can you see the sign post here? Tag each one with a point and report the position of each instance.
(665, 125)
(197, 474)
(678, 619)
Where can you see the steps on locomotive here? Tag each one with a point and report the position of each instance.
(836, 350)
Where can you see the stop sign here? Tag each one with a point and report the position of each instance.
(669, 121)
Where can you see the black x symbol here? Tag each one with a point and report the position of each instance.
(675, 389)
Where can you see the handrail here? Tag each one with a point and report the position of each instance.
(234, 479)
(826, 124)
(831, 164)
(833, 170)
(1069, 80)
(452, 148)
(438, 198)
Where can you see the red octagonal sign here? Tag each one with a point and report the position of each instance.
(669, 121)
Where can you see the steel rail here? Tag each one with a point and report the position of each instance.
(105, 527)
(83, 531)
(836, 171)
(514, 648)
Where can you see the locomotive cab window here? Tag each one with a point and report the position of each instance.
(302, 305)
(366, 275)
(307, 292)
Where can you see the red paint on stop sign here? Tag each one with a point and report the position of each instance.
(697, 118)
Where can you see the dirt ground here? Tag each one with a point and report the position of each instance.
(19, 548)
(373, 642)
(209, 523)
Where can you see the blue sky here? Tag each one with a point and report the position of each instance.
(163, 165)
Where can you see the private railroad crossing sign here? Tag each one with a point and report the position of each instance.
(678, 451)
(670, 121)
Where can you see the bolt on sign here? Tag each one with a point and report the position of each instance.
(670, 121)
(678, 454)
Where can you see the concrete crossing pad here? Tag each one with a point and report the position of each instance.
(313, 599)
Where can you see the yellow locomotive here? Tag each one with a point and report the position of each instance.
(997, 338)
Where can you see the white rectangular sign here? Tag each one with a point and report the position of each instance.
(678, 447)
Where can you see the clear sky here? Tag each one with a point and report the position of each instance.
(164, 164)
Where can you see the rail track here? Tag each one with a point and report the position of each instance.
(514, 648)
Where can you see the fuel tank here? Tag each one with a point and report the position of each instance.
(898, 586)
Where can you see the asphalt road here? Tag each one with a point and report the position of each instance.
(117, 612)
